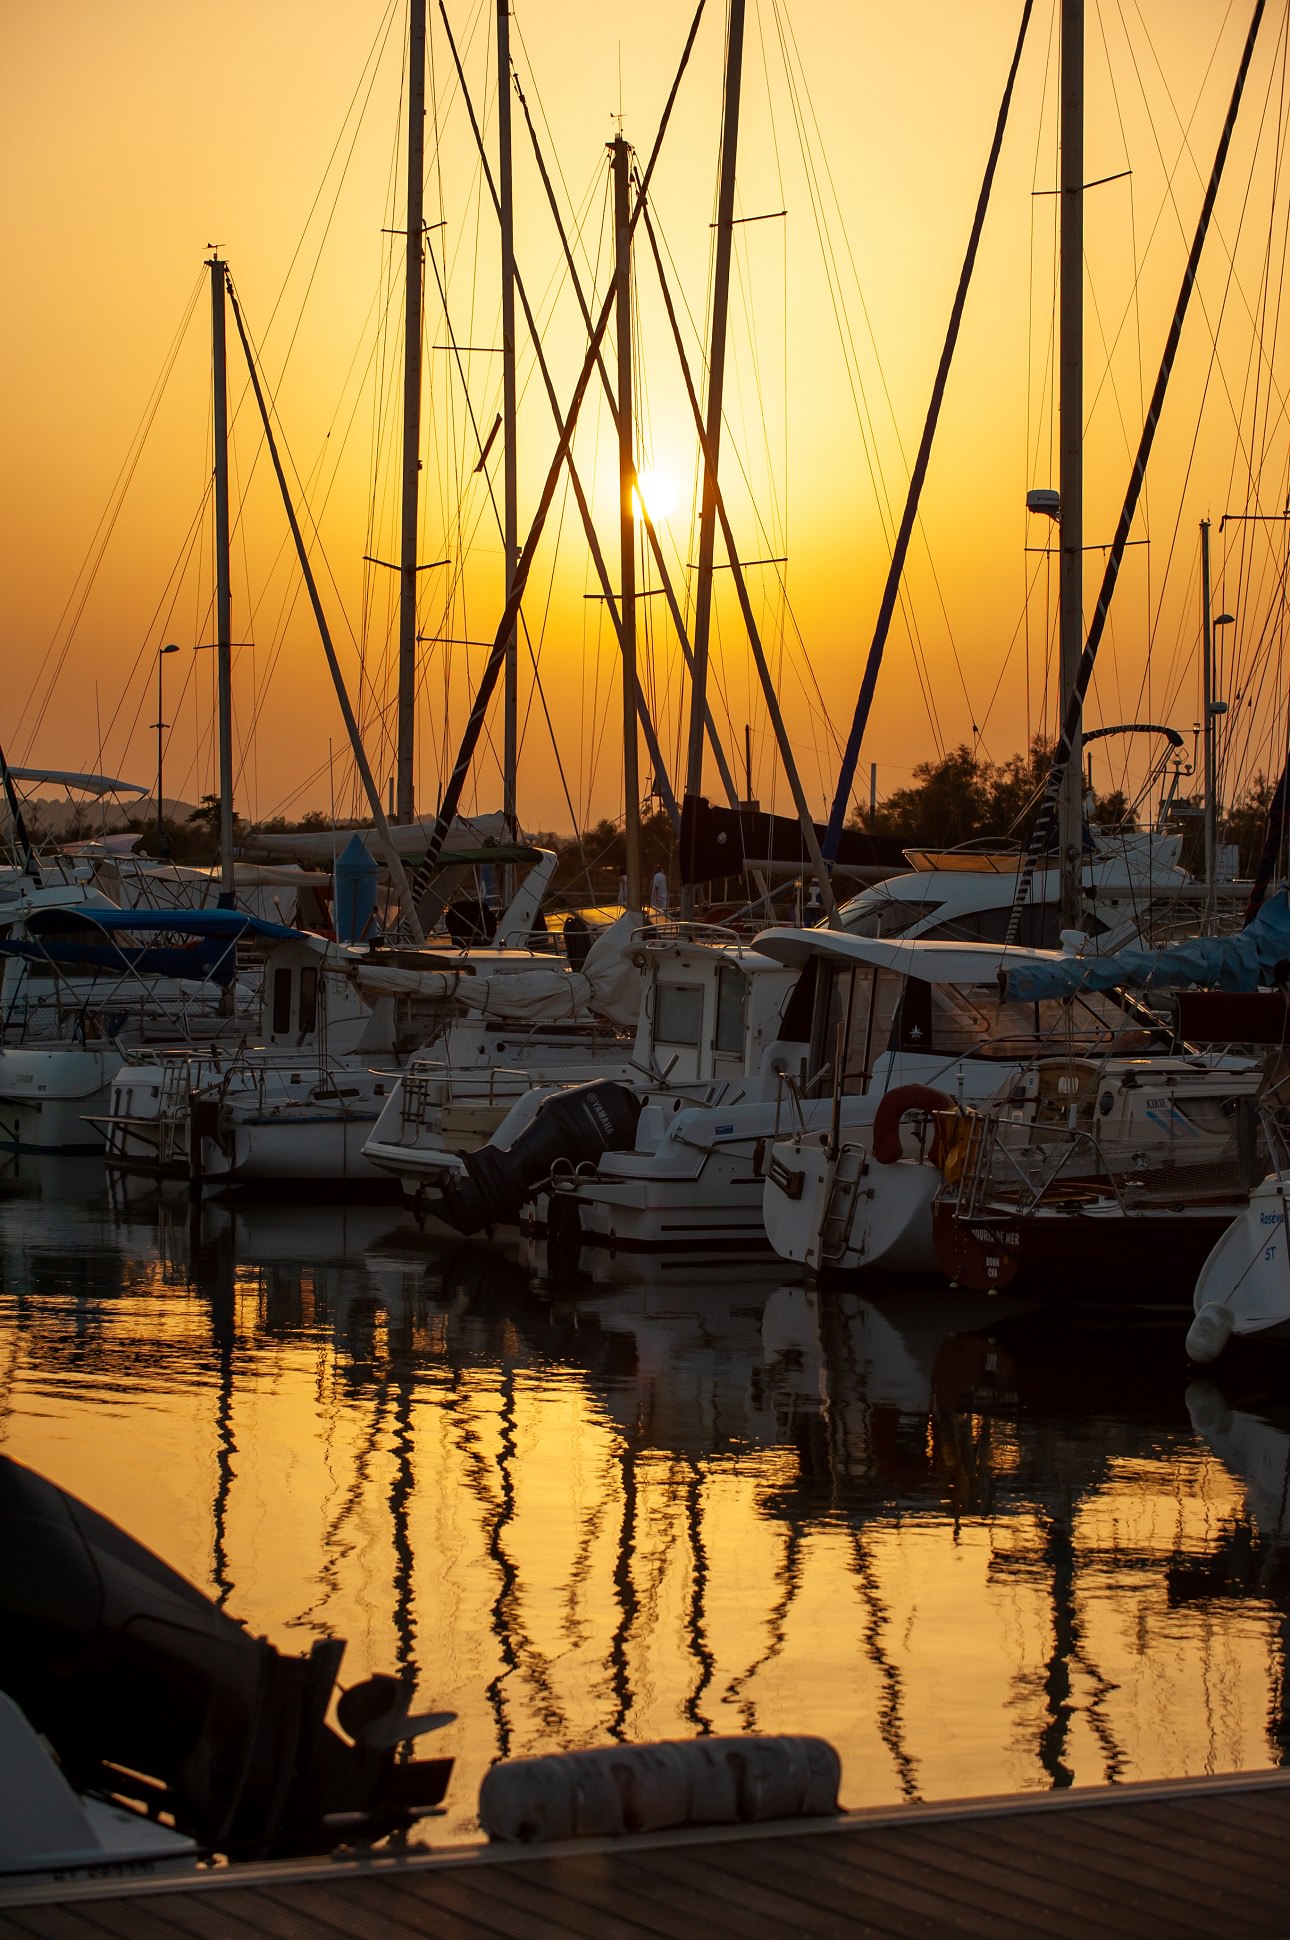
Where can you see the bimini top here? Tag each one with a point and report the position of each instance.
(222, 924)
(94, 940)
(931, 961)
(88, 784)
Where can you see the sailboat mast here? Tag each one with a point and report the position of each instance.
(510, 497)
(1208, 723)
(716, 385)
(621, 152)
(1070, 598)
(223, 595)
(405, 788)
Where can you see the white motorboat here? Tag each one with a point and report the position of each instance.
(300, 1096)
(746, 1056)
(1131, 878)
(709, 1040)
(1112, 1148)
(514, 1037)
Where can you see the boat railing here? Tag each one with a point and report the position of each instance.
(1024, 1165)
(717, 936)
(428, 1086)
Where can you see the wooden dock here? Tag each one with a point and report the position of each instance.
(1191, 1857)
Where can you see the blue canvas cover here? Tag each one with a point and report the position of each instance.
(208, 955)
(1245, 961)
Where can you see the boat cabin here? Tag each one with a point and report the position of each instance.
(965, 895)
(710, 1006)
(306, 1006)
(872, 1006)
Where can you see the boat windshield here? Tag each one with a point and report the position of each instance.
(878, 915)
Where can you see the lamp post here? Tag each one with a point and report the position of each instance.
(163, 842)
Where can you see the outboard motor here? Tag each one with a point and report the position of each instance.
(151, 1696)
(575, 1125)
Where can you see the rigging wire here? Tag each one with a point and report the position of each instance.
(51, 667)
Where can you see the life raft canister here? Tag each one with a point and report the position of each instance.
(886, 1147)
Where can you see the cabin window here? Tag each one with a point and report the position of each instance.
(964, 1023)
(731, 990)
(799, 1005)
(1039, 926)
(308, 1001)
(678, 1013)
(881, 915)
(281, 1002)
(973, 1020)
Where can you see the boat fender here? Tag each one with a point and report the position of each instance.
(645, 1788)
(1210, 1332)
(886, 1146)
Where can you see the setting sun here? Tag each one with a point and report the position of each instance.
(658, 490)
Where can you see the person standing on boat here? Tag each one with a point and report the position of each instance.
(658, 893)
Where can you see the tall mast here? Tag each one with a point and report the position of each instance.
(1070, 601)
(405, 795)
(1207, 720)
(716, 385)
(621, 152)
(510, 501)
(223, 597)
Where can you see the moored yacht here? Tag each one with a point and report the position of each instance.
(905, 1025)
(266, 1095)
(85, 983)
(1131, 881)
(731, 1060)
(483, 1082)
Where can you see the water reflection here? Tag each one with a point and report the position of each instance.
(979, 1552)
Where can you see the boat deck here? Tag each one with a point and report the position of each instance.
(1192, 1857)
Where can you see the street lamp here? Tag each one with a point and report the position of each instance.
(163, 841)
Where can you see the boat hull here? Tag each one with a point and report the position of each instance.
(291, 1148)
(1084, 1254)
(45, 1096)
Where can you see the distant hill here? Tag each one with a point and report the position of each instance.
(56, 816)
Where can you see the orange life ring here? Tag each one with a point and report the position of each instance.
(886, 1147)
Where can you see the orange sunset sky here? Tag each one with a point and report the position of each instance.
(137, 135)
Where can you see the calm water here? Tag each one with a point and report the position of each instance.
(979, 1552)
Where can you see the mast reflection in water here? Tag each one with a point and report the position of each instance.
(978, 1552)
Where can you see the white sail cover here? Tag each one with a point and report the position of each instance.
(409, 839)
(608, 985)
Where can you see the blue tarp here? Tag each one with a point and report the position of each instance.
(64, 939)
(227, 924)
(1245, 961)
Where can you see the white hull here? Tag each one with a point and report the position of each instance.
(840, 1212)
(697, 1175)
(721, 1207)
(45, 1094)
(290, 1146)
(287, 1119)
(1243, 1289)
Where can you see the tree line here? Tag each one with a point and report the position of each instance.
(959, 797)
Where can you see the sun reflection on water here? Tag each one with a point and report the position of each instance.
(977, 1557)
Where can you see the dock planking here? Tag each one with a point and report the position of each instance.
(1189, 1859)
